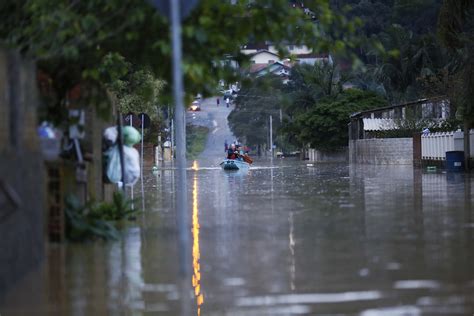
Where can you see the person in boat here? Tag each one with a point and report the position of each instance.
(240, 150)
(232, 153)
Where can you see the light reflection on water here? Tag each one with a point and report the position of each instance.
(196, 278)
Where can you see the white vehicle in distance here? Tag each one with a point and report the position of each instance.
(195, 106)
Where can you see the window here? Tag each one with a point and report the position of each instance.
(271, 61)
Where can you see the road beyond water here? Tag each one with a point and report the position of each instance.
(215, 118)
(282, 239)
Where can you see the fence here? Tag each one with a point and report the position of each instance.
(435, 145)
(21, 171)
(362, 124)
(341, 155)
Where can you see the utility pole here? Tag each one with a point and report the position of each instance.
(180, 123)
(182, 220)
(131, 187)
(120, 146)
(271, 135)
(172, 139)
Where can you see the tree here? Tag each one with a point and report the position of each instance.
(456, 32)
(136, 89)
(309, 83)
(419, 16)
(324, 126)
(376, 15)
(413, 56)
(71, 39)
(257, 100)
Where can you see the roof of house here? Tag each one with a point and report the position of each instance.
(257, 67)
(312, 55)
(358, 115)
(263, 51)
(269, 68)
(258, 46)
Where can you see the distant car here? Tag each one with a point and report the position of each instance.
(195, 106)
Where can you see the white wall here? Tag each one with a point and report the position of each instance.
(264, 58)
(312, 61)
(328, 156)
(396, 151)
(292, 49)
(248, 51)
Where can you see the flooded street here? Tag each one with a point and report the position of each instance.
(282, 239)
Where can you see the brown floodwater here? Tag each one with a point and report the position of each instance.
(283, 238)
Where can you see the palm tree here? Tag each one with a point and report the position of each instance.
(310, 83)
(412, 56)
(456, 32)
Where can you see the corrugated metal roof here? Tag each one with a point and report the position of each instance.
(378, 124)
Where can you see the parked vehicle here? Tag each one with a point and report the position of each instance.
(195, 106)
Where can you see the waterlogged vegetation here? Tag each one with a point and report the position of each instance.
(97, 219)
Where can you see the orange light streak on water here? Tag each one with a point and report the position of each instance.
(196, 279)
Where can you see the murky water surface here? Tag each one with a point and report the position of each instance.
(286, 239)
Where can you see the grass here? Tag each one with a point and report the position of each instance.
(195, 140)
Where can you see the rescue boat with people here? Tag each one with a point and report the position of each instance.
(234, 164)
(236, 158)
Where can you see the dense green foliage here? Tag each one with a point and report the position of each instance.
(419, 16)
(456, 31)
(307, 84)
(403, 49)
(71, 39)
(135, 89)
(324, 126)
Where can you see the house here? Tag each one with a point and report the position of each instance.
(250, 49)
(392, 134)
(293, 50)
(277, 68)
(312, 58)
(264, 57)
(267, 53)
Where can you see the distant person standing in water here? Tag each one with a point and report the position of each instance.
(218, 101)
(227, 101)
(226, 146)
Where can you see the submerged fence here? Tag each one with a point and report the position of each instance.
(435, 145)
